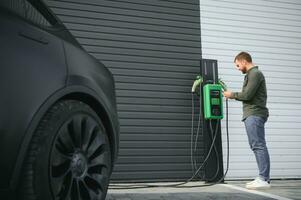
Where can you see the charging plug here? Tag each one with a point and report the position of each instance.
(223, 84)
(196, 83)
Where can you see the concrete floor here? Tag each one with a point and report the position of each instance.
(232, 190)
(285, 188)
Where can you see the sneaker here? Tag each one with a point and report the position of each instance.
(251, 182)
(258, 184)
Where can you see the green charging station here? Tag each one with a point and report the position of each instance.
(213, 102)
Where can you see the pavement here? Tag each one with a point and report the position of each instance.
(231, 190)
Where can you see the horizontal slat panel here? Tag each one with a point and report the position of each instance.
(155, 152)
(153, 167)
(138, 52)
(189, 6)
(218, 32)
(274, 27)
(151, 159)
(159, 137)
(258, 10)
(126, 32)
(153, 129)
(84, 18)
(285, 8)
(99, 10)
(136, 5)
(147, 59)
(273, 40)
(150, 176)
(89, 43)
(191, 69)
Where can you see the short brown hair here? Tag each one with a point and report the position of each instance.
(243, 56)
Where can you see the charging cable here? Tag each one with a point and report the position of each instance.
(139, 186)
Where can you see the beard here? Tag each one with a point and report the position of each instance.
(244, 71)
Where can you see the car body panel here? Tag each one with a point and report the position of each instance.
(26, 81)
(85, 70)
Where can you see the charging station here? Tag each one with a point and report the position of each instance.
(212, 114)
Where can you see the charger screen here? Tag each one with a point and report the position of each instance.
(215, 101)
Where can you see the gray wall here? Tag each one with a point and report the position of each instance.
(153, 50)
(271, 32)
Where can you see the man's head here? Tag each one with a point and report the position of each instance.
(243, 61)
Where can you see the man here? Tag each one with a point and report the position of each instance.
(255, 114)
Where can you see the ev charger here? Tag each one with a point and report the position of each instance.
(212, 106)
(213, 102)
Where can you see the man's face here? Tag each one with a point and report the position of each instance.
(241, 66)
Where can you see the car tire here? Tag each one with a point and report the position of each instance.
(69, 156)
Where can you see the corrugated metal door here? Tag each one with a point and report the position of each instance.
(153, 50)
(270, 31)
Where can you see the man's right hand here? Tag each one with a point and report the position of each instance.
(228, 94)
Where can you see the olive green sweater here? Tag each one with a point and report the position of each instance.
(253, 94)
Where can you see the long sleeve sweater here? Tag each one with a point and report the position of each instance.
(253, 94)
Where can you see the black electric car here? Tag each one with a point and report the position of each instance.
(58, 119)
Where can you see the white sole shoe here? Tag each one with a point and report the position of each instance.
(250, 187)
(258, 184)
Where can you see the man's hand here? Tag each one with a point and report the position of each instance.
(228, 94)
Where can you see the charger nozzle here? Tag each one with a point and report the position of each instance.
(223, 84)
(196, 83)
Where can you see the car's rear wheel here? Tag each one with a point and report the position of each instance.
(69, 156)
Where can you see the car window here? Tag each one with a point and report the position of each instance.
(26, 10)
(17, 6)
(33, 15)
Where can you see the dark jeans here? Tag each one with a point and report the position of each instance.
(256, 136)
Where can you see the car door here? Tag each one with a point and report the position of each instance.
(32, 67)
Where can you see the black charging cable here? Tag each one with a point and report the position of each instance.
(139, 186)
(209, 152)
(195, 143)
